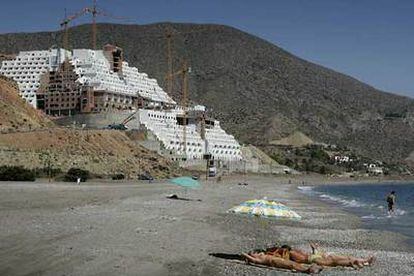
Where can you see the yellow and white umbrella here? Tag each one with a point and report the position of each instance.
(264, 208)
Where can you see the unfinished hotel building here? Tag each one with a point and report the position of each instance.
(62, 83)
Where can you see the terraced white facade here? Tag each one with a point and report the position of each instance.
(27, 68)
(163, 124)
(93, 69)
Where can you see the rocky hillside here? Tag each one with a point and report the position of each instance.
(102, 152)
(259, 91)
(27, 139)
(15, 114)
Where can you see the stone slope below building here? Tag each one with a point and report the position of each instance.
(258, 91)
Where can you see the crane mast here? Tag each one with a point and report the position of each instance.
(183, 72)
(184, 103)
(168, 36)
(94, 13)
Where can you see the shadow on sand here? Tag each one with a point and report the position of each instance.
(227, 256)
(176, 197)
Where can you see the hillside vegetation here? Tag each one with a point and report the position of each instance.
(260, 92)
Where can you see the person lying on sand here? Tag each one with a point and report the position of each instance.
(279, 262)
(320, 258)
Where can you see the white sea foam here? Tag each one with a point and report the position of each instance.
(397, 213)
(343, 201)
(305, 188)
(371, 217)
(400, 212)
(385, 216)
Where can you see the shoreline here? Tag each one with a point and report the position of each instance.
(338, 201)
(130, 228)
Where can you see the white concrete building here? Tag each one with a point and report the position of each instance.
(92, 67)
(27, 68)
(218, 143)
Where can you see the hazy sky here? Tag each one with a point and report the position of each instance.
(371, 40)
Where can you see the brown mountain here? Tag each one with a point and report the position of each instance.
(259, 91)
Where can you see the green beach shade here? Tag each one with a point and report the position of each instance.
(185, 181)
(264, 208)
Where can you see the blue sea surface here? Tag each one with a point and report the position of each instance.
(368, 201)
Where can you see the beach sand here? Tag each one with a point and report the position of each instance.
(130, 228)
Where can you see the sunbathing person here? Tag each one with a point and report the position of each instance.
(319, 257)
(275, 260)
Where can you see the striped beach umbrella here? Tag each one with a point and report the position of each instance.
(264, 208)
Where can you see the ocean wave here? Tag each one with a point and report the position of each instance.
(400, 212)
(305, 188)
(308, 190)
(343, 201)
(373, 217)
(397, 213)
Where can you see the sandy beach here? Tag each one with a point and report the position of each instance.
(130, 228)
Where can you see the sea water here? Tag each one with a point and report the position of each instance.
(368, 201)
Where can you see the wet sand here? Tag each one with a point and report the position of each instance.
(130, 228)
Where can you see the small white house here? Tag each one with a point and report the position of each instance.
(375, 170)
(342, 159)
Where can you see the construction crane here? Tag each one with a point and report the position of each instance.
(65, 24)
(94, 11)
(170, 78)
(184, 102)
(168, 36)
(183, 72)
(210, 170)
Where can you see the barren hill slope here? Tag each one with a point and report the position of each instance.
(15, 114)
(297, 139)
(259, 91)
(102, 152)
(28, 136)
